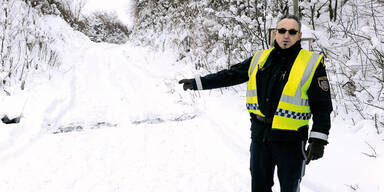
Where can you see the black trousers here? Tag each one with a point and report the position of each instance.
(288, 157)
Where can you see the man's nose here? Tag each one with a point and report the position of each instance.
(286, 34)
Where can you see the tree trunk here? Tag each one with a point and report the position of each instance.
(313, 8)
(330, 10)
(296, 8)
(335, 11)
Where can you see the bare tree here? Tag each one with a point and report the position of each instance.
(296, 8)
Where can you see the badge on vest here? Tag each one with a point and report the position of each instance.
(323, 83)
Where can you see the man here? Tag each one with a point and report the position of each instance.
(286, 84)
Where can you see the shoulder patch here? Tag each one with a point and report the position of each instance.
(323, 83)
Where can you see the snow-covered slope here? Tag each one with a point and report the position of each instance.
(113, 118)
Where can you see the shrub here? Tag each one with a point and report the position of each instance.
(25, 46)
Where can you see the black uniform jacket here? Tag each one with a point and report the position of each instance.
(270, 83)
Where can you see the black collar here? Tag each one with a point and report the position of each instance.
(293, 50)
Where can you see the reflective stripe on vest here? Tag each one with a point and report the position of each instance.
(257, 63)
(293, 110)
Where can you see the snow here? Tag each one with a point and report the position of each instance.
(113, 118)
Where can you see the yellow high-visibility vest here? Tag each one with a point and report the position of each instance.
(293, 110)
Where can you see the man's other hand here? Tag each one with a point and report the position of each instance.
(314, 151)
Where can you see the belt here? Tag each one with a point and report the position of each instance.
(264, 119)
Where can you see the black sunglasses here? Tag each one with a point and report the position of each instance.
(291, 31)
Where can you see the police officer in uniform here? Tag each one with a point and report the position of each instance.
(286, 86)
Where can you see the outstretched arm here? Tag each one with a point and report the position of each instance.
(235, 75)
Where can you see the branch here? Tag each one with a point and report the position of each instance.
(358, 110)
(374, 106)
(376, 126)
(353, 187)
(373, 151)
(367, 91)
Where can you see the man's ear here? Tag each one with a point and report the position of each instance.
(300, 33)
(274, 34)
